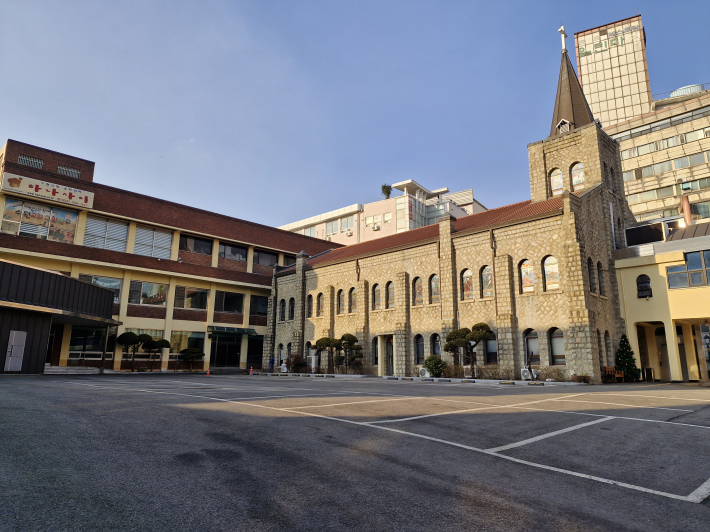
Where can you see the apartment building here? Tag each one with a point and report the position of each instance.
(192, 277)
(415, 207)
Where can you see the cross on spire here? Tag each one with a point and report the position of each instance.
(564, 38)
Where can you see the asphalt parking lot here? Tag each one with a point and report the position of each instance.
(195, 452)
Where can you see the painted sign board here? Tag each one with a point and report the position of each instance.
(49, 191)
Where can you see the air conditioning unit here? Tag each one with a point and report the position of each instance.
(525, 375)
(349, 233)
(375, 227)
(423, 372)
(328, 238)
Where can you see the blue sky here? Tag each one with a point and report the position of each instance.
(274, 111)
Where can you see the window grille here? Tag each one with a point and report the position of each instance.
(30, 161)
(69, 171)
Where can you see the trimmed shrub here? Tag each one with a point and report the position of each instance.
(435, 365)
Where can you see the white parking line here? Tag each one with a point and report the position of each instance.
(359, 402)
(694, 497)
(653, 396)
(489, 407)
(620, 404)
(548, 435)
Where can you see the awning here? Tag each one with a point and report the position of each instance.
(231, 330)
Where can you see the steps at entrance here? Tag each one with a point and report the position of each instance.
(228, 371)
(69, 370)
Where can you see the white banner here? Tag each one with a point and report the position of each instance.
(50, 191)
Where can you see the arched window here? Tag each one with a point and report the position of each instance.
(601, 280)
(291, 309)
(600, 350)
(417, 292)
(340, 302)
(308, 351)
(605, 175)
(434, 289)
(592, 277)
(612, 178)
(577, 176)
(643, 286)
(319, 305)
(280, 353)
(309, 306)
(557, 347)
(527, 276)
(532, 348)
(486, 282)
(552, 273)
(436, 345)
(375, 347)
(467, 284)
(419, 348)
(389, 296)
(607, 348)
(352, 300)
(556, 183)
(619, 241)
(282, 310)
(288, 349)
(492, 350)
(376, 301)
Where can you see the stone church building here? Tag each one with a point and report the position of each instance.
(538, 272)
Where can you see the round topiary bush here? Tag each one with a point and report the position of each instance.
(434, 365)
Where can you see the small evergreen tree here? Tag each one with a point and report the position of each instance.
(625, 360)
(330, 346)
(456, 341)
(353, 351)
(128, 341)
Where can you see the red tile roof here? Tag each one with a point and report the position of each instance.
(501, 215)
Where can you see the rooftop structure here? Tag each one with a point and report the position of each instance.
(416, 207)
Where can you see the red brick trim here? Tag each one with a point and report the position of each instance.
(146, 311)
(189, 314)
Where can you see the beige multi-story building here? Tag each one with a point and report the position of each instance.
(664, 140)
(415, 207)
(540, 273)
(666, 155)
(613, 70)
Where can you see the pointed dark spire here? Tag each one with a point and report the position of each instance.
(570, 103)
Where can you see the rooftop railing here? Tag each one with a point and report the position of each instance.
(691, 89)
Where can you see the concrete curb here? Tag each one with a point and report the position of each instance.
(322, 375)
(483, 381)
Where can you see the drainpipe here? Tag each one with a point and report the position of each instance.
(685, 208)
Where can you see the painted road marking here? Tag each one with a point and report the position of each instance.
(694, 497)
(548, 435)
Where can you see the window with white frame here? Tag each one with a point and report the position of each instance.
(104, 233)
(310, 231)
(331, 227)
(346, 224)
(153, 242)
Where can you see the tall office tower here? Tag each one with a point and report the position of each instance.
(613, 71)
